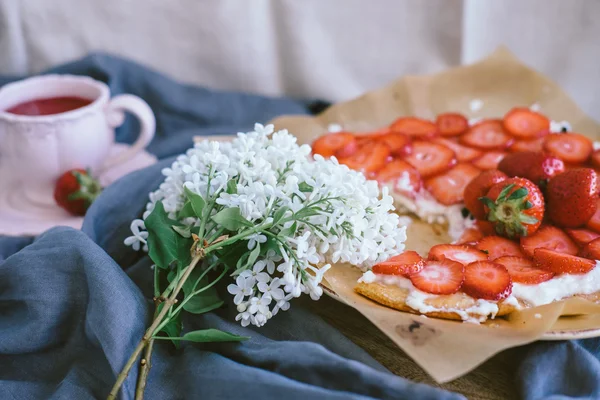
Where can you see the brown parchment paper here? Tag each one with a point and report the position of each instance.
(448, 349)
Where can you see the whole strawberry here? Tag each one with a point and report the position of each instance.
(75, 191)
(571, 197)
(515, 207)
(535, 166)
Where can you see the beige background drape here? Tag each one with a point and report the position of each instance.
(333, 49)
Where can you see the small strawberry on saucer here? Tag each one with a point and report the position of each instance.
(76, 190)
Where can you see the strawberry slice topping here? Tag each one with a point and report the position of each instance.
(470, 236)
(551, 238)
(405, 264)
(595, 159)
(582, 236)
(479, 187)
(463, 153)
(449, 188)
(522, 270)
(498, 246)
(430, 158)
(487, 135)
(487, 280)
(591, 250)
(569, 147)
(528, 145)
(331, 143)
(439, 277)
(526, 124)
(460, 253)
(370, 158)
(561, 263)
(399, 144)
(399, 170)
(594, 222)
(415, 127)
(489, 160)
(451, 124)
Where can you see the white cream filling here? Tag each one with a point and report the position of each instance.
(429, 210)
(559, 287)
(416, 299)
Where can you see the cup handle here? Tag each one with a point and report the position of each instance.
(115, 116)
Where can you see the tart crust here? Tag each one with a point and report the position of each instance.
(395, 297)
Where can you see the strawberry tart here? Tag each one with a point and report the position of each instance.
(520, 198)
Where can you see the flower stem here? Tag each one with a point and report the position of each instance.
(148, 334)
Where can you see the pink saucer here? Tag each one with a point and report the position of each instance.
(17, 220)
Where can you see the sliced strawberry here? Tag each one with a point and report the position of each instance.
(460, 253)
(489, 160)
(347, 150)
(595, 159)
(399, 144)
(470, 235)
(594, 222)
(582, 236)
(398, 170)
(479, 187)
(526, 124)
(448, 188)
(569, 147)
(487, 280)
(572, 197)
(528, 145)
(535, 166)
(451, 124)
(431, 158)
(522, 270)
(329, 144)
(497, 246)
(487, 135)
(486, 227)
(439, 277)
(405, 264)
(463, 153)
(561, 263)
(415, 127)
(591, 250)
(370, 158)
(548, 237)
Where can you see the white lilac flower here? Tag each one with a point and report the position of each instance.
(350, 220)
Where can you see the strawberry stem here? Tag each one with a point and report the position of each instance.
(507, 211)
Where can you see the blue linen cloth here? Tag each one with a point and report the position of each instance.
(73, 304)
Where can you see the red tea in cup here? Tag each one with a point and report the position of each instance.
(49, 106)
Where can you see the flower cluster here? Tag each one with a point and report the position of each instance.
(305, 212)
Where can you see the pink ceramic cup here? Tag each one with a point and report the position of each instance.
(36, 150)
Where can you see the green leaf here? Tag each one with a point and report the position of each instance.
(504, 193)
(199, 305)
(279, 214)
(305, 187)
(186, 211)
(290, 231)
(164, 244)
(173, 328)
(196, 201)
(231, 187)
(527, 205)
(528, 219)
(270, 244)
(232, 253)
(518, 194)
(184, 231)
(231, 219)
(254, 255)
(212, 335)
